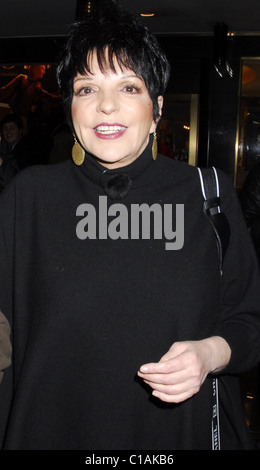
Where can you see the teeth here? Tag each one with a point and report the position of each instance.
(109, 129)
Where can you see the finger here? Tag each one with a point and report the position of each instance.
(151, 368)
(172, 398)
(176, 393)
(162, 367)
(173, 385)
(177, 358)
(166, 379)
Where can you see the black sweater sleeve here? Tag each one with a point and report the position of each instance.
(240, 317)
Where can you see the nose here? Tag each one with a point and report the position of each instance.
(108, 102)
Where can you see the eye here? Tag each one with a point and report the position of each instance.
(131, 89)
(87, 90)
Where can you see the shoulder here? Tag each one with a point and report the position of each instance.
(37, 182)
(38, 175)
(223, 181)
(187, 178)
(176, 170)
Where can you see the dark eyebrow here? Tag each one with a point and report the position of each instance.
(85, 77)
(91, 77)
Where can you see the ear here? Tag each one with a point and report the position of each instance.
(160, 107)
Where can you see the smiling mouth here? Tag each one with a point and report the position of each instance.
(109, 130)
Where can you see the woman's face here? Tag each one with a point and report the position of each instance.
(112, 114)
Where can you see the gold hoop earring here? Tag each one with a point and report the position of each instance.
(154, 146)
(78, 153)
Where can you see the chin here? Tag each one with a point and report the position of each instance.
(114, 160)
(113, 163)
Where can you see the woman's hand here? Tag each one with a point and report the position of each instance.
(182, 370)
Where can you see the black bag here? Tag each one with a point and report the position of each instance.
(219, 222)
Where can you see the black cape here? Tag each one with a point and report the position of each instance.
(86, 313)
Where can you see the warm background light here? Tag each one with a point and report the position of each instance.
(248, 75)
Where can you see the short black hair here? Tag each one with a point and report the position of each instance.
(12, 118)
(126, 39)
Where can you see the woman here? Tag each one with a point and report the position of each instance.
(118, 321)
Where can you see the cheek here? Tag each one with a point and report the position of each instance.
(74, 112)
(146, 116)
(149, 112)
(78, 115)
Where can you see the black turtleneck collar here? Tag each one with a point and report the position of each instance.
(117, 182)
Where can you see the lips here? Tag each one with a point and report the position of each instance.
(109, 131)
